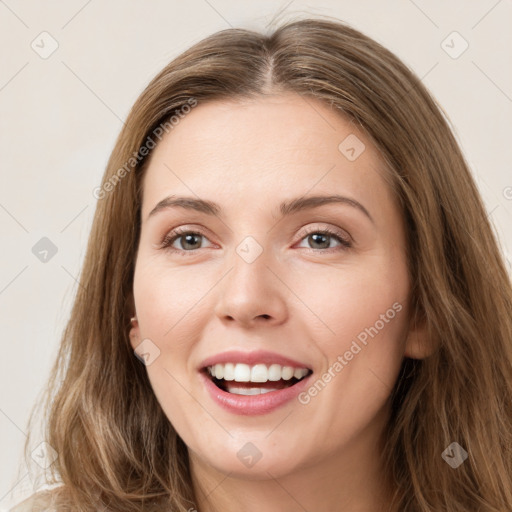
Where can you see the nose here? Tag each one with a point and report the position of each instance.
(252, 294)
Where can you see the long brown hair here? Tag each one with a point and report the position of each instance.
(117, 448)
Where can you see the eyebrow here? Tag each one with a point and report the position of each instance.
(286, 208)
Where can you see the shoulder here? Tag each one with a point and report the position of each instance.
(38, 502)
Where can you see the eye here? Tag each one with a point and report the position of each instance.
(189, 240)
(323, 238)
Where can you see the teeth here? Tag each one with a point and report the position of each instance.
(240, 372)
(259, 373)
(299, 373)
(274, 372)
(219, 371)
(249, 391)
(229, 371)
(287, 372)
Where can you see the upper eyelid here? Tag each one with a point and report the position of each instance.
(342, 233)
(203, 231)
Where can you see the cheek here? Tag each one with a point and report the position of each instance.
(165, 307)
(166, 299)
(364, 303)
(362, 348)
(169, 303)
(367, 310)
(362, 341)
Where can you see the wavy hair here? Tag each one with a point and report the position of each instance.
(116, 447)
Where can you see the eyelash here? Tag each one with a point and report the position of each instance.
(169, 239)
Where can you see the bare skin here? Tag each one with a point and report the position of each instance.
(305, 296)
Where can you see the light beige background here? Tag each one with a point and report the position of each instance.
(60, 115)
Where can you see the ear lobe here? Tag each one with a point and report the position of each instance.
(134, 333)
(419, 345)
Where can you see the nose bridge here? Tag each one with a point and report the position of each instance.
(250, 275)
(250, 289)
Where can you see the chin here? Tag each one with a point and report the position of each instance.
(250, 461)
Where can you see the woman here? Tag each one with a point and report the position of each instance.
(292, 297)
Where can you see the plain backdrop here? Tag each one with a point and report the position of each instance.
(71, 70)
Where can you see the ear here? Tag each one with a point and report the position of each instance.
(134, 323)
(419, 343)
(134, 333)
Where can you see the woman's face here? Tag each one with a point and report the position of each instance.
(251, 288)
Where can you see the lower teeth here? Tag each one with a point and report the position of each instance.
(231, 387)
(250, 391)
(245, 390)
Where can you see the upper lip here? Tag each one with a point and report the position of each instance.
(251, 358)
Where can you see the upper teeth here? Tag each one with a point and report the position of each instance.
(240, 372)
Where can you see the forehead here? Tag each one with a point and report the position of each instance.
(261, 151)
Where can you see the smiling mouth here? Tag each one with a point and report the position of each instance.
(243, 379)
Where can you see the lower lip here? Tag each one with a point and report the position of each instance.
(253, 404)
